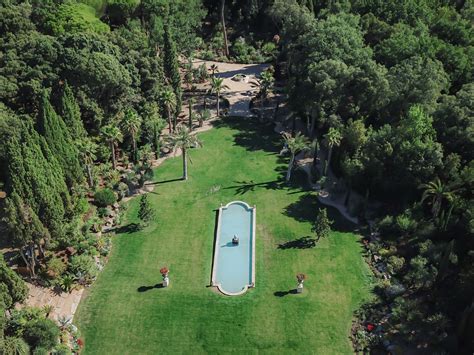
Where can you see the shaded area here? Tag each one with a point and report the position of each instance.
(306, 209)
(300, 243)
(148, 288)
(242, 187)
(129, 228)
(164, 181)
(284, 293)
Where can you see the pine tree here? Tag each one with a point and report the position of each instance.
(171, 69)
(71, 113)
(322, 225)
(145, 212)
(51, 126)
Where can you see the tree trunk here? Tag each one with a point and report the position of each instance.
(275, 113)
(190, 119)
(313, 124)
(348, 194)
(226, 44)
(218, 105)
(168, 114)
(156, 142)
(134, 147)
(185, 165)
(28, 264)
(89, 176)
(290, 167)
(112, 148)
(328, 161)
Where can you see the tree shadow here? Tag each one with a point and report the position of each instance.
(285, 293)
(306, 209)
(129, 228)
(148, 288)
(164, 181)
(300, 243)
(242, 187)
(252, 134)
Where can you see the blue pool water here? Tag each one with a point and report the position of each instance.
(234, 262)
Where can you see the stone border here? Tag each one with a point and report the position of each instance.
(216, 251)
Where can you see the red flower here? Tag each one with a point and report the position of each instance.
(164, 270)
(80, 342)
(370, 327)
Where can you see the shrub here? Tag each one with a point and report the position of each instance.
(55, 267)
(66, 283)
(14, 346)
(395, 264)
(83, 266)
(62, 349)
(105, 197)
(42, 333)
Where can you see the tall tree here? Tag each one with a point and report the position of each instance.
(71, 113)
(51, 126)
(168, 100)
(131, 124)
(217, 85)
(437, 192)
(153, 125)
(171, 69)
(184, 140)
(87, 151)
(295, 145)
(333, 139)
(224, 30)
(112, 136)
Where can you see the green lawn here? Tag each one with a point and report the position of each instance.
(124, 314)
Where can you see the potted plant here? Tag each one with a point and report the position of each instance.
(164, 272)
(301, 278)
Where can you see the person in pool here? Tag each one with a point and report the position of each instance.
(235, 240)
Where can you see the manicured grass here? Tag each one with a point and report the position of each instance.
(124, 314)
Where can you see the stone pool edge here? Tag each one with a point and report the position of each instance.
(216, 249)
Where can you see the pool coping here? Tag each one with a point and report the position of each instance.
(216, 250)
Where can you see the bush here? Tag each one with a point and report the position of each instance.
(62, 349)
(14, 346)
(55, 267)
(42, 333)
(105, 197)
(395, 264)
(83, 266)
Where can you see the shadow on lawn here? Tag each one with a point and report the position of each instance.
(284, 293)
(129, 228)
(164, 181)
(242, 187)
(306, 209)
(148, 288)
(300, 243)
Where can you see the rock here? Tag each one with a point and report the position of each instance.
(116, 206)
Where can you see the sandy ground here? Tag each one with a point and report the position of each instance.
(239, 93)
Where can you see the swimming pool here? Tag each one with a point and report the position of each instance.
(234, 264)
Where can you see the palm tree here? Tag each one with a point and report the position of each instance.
(437, 192)
(226, 44)
(131, 124)
(333, 139)
(87, 150)
(217, 85)
(168, 100)
(295, 144)
(112, 135)
(214, 69)
(183, 139)
(264, 84)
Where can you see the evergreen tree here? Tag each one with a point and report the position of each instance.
(36, 176)
(71, 113)
(17, 290)
(145, 212)
(51, 126)
(322, 225)
(171, 68)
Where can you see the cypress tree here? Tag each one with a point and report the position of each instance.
(37, 177)
(145, 212)
(171, 69)
(71, 113)
(51, 126)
